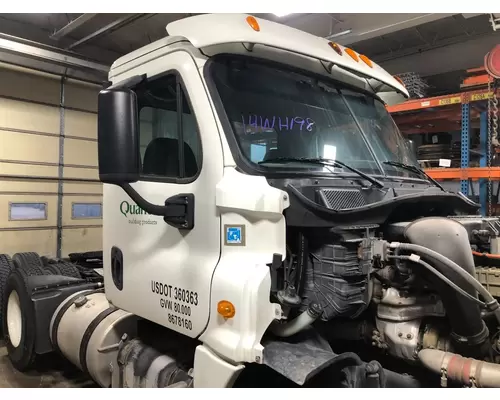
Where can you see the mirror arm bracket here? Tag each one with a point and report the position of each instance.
(178, 210)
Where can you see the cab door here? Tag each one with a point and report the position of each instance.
(154, 269)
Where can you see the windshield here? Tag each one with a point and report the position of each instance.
(276, 113)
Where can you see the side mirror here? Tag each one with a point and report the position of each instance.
(118, 136)
(119, 157)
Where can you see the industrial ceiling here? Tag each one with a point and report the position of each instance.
(439, 47)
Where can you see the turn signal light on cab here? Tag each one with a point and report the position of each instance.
(399, 80)
(366, 60)
(352, 53)
(226, 309)
(335, 47)
(253, 23)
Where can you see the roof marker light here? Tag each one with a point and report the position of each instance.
(366, 60)
(400, 80)
(352, 53)
(335, 47)
(253, 23)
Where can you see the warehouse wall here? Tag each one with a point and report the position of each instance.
(50, 196)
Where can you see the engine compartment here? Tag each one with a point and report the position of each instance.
(384, 272)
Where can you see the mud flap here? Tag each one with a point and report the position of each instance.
(302, 356)
(298, 362)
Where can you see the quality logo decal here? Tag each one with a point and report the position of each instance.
(135, 214)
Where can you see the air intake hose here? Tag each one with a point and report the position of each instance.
(451, 239)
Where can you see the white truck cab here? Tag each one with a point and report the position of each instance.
(193, 116)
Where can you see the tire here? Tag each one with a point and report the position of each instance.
(52, 269)
(30, 263)
(19, 321)
(6, 266)
(46, 261)
(68, 269)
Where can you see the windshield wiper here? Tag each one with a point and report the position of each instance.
(414, 169)
(325, 162)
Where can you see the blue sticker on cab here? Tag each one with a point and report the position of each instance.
(234, 235)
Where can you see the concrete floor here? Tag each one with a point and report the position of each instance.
(50, 371)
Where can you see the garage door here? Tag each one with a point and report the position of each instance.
(50, 195)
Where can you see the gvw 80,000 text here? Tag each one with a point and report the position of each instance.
(175, 307)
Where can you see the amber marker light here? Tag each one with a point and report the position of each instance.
(226, 309)
(335, 47)
(352, 53)
(399, 80)
(253, 23)
(366, 60)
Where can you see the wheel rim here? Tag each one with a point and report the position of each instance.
(14, 319)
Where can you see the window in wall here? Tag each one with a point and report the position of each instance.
(27, 211)
(86, 211)
(166, 122)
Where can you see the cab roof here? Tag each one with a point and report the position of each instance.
(209, 30)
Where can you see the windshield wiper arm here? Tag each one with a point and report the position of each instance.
(415, 169)
(326, 162)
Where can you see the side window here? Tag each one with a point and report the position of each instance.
(169, 143)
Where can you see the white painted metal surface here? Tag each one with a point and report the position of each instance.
(160, 261)
(242, 275)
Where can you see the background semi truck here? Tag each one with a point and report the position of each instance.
(265, 224)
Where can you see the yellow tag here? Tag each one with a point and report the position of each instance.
(451, 100)
(480, 96)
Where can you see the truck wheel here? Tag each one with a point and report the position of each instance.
(19, 321)
(31, 263)
(68, 269)
(52, 269)
(6, 266)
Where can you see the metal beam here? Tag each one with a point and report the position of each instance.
(71, 26)
(39, 53)
(495, 21)
(366, 26)
(113, 26)
(459, 53)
